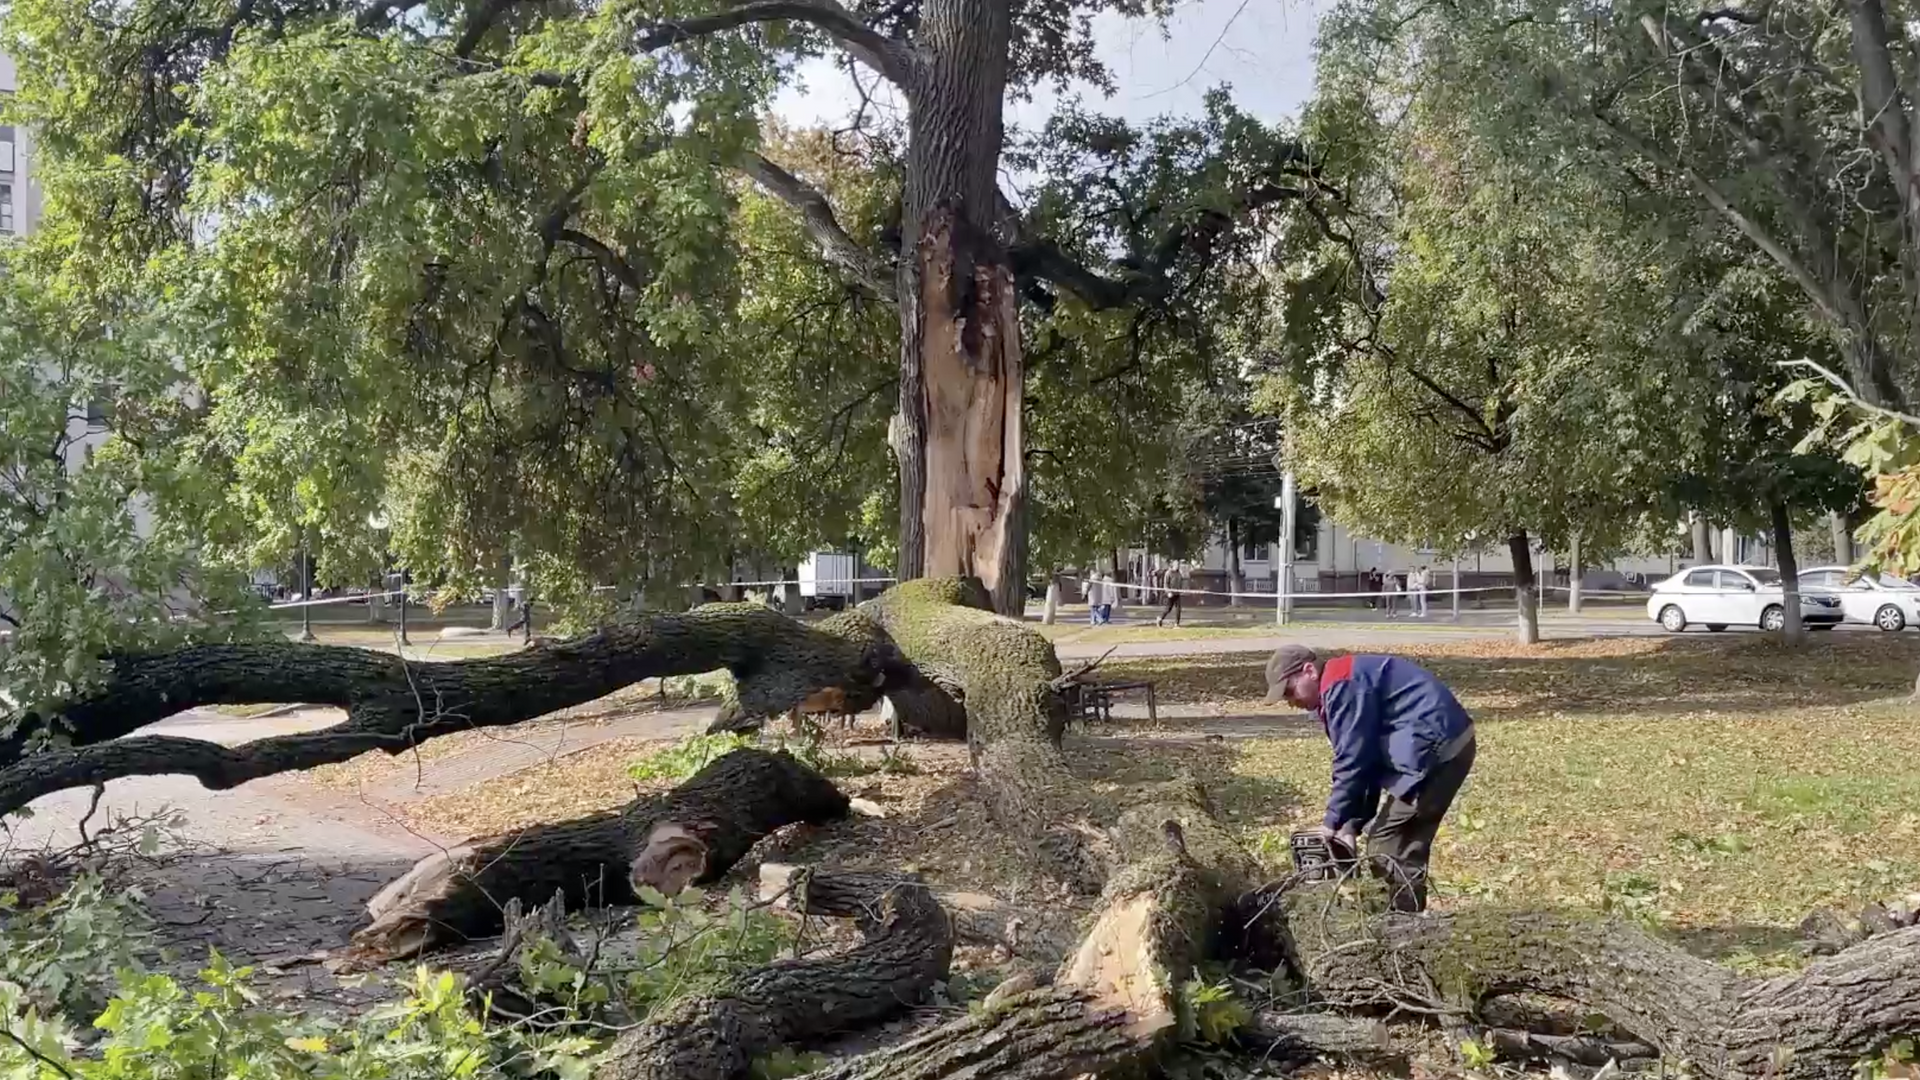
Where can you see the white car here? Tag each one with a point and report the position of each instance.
(1883, 600)
(1721, 596)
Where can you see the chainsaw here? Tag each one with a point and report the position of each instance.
(1319, 857)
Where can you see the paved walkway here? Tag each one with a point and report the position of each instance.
(279, 869)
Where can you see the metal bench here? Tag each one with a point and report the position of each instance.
(1096, 700)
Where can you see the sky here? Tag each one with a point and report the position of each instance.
(1263, 49)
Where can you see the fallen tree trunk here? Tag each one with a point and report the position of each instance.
(1115, 1005)
(1817, 1023)
(1299, 1038)
(976, 918)
(1008, 677)
(393, 705)
(907, 948)
(689, 835)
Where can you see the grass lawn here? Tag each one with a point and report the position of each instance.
(1721, 787)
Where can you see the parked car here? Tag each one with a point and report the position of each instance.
(1887, 602)
(1721, 596)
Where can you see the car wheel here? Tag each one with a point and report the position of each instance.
(1774, 619)
(1673, 618)
(1890, 618)
(1716, 627)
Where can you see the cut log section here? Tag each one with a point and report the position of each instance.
(908, 946)
(692, 834)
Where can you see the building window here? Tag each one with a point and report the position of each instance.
(6, 208)
(1256, 552)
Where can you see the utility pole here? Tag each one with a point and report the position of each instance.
(1283, 565)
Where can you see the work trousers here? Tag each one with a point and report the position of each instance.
(1400, 840)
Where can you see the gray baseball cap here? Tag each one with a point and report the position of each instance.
(1286, 662)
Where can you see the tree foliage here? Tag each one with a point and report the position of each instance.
(92, 550)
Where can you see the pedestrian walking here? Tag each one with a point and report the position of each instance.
(1175, 581)
(1372, 588)
(1393, 590)
(1422, 581)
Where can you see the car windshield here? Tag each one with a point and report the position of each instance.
(1888, 581)
(1765, 577)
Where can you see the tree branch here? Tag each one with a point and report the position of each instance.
(871, 273)
(479, 22)
(393, 705)
(1036, 259)
(892, 59)
(1853, 397)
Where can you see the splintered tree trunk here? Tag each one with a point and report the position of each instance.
(1702, 538)
(959, 432)
(689, 835)
(1842, 538)
(1789, 570)
(1525, 600)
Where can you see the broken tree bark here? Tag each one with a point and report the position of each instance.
(801, 1002)
(689, 835)
(1115, 1005)
(1817, 1023)
(393, 705)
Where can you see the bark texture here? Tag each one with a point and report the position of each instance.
(958, 434)
(1789, 570)
(1526, 599)
(1814, 1024)
(908, 945)
(690, 835)
(393, 705)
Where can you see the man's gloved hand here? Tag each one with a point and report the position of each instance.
(1345, 843)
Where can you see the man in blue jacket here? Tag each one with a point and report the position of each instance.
(1395, 728)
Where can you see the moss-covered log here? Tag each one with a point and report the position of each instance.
(692, 834)
(393, 705)
(907, 948)
(1015, 717)
(1817, 1023)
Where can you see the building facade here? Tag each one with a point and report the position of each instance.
(19, 195)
